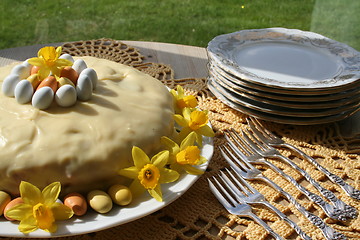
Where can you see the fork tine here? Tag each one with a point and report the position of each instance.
(260, 143)
(219, 195)
(233, 138)
(249, 143)
(255, 122)
(259, 133)
(231, 159)
(243, 182)
(232, 187)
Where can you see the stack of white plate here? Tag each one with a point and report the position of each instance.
(285, 75)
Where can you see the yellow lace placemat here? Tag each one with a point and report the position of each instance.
(197, 214)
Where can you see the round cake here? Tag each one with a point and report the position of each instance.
(84, 146)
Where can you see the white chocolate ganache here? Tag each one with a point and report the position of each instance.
(83, 146)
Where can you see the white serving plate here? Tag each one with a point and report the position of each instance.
(92, 221)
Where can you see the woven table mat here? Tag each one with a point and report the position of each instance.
(197, 214)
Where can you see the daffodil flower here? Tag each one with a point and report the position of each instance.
(149, 174)
(40, 209)
(185, 156)
(194, 121)
(48, 60)
(181, 100)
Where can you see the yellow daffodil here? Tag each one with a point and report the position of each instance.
(194, 121)
(181, 100)
(48, 61)
(185, 156)
(149, 174)
(40, 209)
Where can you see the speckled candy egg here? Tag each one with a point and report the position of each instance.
(100, 201)
(76, 202)
(23, 91)
(4, 200)
(66, 96)
(23, 71)
(67, 57)
(79, 65)
(84, 87)
(43, 98)
(120, 194)
(91, 73)
(9, 84)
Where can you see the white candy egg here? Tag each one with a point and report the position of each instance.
(27, 65)
(23, 91)
(79, 65)
(9, 84)
(66, 96)
(21, 70)
(84, 88)
(67, 57)
(43, 98)
(92, 75)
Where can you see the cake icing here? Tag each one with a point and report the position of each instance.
(84, 146)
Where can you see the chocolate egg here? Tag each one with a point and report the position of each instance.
(100, 201)
(11, 204)
(4, 200)
(120, 194)
(76, 202)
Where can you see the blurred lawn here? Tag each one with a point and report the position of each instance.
(191, 22)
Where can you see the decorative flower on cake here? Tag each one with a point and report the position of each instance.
(194, 121)
(185, 156)
(181, 100)
(40, 209)
(48, 61)
(149, 174)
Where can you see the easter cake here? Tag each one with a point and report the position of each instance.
(83, 143)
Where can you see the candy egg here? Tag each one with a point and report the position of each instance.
(63, 81)
(43, 98)
(9, 84)
(23, 91)
(66, 95)
(70, 73)
(120, 194)
(11, 204)
(76, 202)
(27, 65)
(22, 71)
(84, 88)
(67, 57)
(34, 80)
(4, 200)
(100, 201)
(49, 82)
(34, 70)
(79, 65)
(92, 75)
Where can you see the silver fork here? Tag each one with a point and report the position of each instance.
(345, 211)
(271, 139)
(235, 206)
(248, 171)
(236, 142)
(251, 196)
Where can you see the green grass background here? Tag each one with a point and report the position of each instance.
(190, 22)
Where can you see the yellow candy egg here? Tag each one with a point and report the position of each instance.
(120, 194)
(4, 200)
(76, 202)
(100, 201)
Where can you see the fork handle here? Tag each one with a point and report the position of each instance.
(297, 229)
(327, 208)
(265, 225)
(349, 190)
(342, 210)
(328, 232)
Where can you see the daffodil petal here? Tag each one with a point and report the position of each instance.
(202, 160)
(176, 167)
(60, 211)
(130, 172)
(180, 91)
(184, 133)
(193, 170)
(156, 193)
(51, 192)
(58, 51)
(36, 61)
(170, 145)
(188, 141)
(63, 62)
(28, 225)
(52, 229)
(160, 159)
(206, 131)
(19, 211)
(136, 188)
(44, 72)
(180, 120)
(140, 158)
(186, 113)
(168, 175)
(30, 194)
(199, 139)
